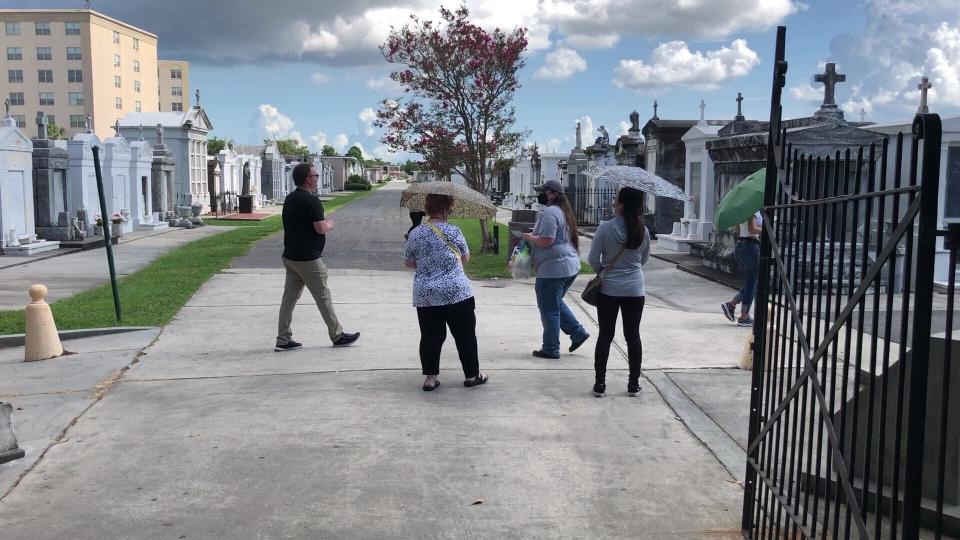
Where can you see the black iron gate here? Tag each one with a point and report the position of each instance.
(850, 432)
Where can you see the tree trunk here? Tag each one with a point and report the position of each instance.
(487, 246)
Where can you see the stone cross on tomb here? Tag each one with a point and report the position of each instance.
(739, 109)
(141, 132)
(159, 135)
(6, 107)
(830, 78)
(116, 128)
(88, 124)
(923, 87)
(198, 98)
(655, 105)
(42, 121)
(703, 107)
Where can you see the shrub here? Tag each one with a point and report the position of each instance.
(356, 179)
(357, 187)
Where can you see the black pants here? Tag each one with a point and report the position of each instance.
(416, 218)
(632, 309)
(462, 320)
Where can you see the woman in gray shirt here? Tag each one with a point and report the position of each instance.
(622, 289)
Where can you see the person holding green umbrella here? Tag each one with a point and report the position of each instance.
(747, 254)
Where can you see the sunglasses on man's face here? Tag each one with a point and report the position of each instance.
(313, 176)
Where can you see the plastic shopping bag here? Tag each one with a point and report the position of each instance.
(521, 264)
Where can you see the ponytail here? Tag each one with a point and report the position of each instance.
(632, 201)
(563, 202)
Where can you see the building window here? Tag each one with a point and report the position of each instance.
(116, 60)
(45, 75)
(118, 102)
(46, 98)
(136, 86)
(116, 36)
(12, 28)
(75, 75)
(44, 53)
(136, 66)
(16, 98)
(51, 120)
(73, 29)
(176, 107)
(176, 74)
(78, 121)
(116, 81)
(76, 98)
(14, 53)
(15, 75)
(73, 53)
(42, 28)
(176, 90)
(21, 120)
(136, 106)
(136, 44)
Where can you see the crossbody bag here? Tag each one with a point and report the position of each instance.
(591, 293)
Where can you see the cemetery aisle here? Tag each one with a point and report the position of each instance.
(213, 435)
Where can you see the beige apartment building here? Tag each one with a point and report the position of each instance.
(71, 63)
(174, 77)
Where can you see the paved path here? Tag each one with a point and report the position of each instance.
(212, 435)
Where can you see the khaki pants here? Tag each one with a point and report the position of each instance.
(313, 274)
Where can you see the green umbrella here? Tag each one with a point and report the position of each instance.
(742, 202)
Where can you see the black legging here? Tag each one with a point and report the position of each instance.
(416, 218)
(632, 309)
(433, 332)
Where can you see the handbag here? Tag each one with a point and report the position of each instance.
(591, 293)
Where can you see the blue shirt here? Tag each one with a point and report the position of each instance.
(625, 278)
(561, 259)
(439, 280)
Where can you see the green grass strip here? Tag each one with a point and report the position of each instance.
(487, 266)
(154, 294)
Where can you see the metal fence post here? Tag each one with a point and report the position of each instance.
(107, 232)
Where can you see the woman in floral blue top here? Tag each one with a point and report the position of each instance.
(442, 293)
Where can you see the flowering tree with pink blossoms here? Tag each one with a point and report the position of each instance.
(458, 82)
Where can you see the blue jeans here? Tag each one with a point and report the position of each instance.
(747, 255)
(554, 313)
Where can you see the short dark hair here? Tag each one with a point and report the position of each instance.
(301, 172)
(436, 205)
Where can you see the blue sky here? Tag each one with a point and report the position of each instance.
(310, 69)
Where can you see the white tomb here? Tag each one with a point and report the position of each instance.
(697, 223)
(82, 177)
(16, 194)
(141, 188)
(115, 170)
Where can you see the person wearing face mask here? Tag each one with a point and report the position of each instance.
(555, 249)
(620, 248)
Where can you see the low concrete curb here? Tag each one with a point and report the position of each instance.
(17, 340)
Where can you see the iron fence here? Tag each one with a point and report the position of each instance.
(852, 432)
(592, 205)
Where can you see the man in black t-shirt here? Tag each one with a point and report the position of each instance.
(304, 236)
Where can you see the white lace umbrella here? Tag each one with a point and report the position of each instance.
(637, 178)
(467, 202)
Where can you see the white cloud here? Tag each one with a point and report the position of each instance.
(385, 84)
(269, 123)
(588, 41)
(624, 128)
(553, 146)
(806, 92)
(586, 130)
(561, 64)
(901, 42)
(340, 142)
(317, 141)
(318, 78)
(673, 63)
(366, 117)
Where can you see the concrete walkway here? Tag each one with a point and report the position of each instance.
(67, 274)
(212, 435)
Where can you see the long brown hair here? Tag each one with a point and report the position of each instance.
(571, 219)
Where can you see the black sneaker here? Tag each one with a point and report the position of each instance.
(290, 346)
(727, 311)
(598, 389)
(539, 353)
(346, 339)
(633, 389)
(574, 345)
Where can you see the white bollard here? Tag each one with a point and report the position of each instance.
(42, 340)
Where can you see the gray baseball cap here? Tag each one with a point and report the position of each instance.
(550, 185)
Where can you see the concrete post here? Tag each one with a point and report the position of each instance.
(42, 340)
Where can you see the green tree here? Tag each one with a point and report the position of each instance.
(216, 144)
(328, 150)
(289, 147)
(56, 132)
(409, 167)
(355, 153)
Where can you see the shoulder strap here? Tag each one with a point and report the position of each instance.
(443, 237)
(614, 261)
